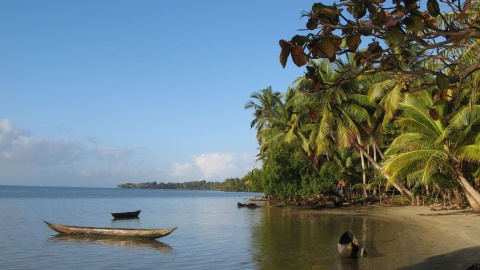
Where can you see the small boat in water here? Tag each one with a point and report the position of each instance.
(110, 232)
(126, 214)
(348, 246)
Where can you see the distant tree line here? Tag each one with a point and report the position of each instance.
(230, 184)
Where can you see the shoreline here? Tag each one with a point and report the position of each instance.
(450, 237)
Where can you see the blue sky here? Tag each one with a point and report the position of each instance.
(98, 93)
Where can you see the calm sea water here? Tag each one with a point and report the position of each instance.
(212, 232)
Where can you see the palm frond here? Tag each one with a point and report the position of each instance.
(400, 165)
(469, 153)
(410, 142)
(379, 90)
(416, 117)
(462, 124)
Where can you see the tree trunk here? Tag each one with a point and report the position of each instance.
(403, 190)
(377, 149)
(364, 175)
(473, 196)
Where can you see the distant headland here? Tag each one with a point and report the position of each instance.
(230, 184)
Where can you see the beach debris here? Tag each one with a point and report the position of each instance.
(348, 246)
(248, 205)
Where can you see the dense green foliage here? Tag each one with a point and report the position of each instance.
(283, 169)
(393, 102)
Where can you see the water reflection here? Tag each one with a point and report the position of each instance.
(124, 219)
(125, 222)
(291, 238)
(111, 241)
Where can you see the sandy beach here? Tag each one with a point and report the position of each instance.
(451, 237)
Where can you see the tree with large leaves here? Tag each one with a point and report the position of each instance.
(397, 38)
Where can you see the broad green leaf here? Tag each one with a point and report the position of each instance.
(414, 24)
(438, 109)
(442, 81)
(394, 35)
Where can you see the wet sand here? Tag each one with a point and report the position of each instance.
(444, 239)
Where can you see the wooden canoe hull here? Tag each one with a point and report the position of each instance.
(110, 232)
(126, 214)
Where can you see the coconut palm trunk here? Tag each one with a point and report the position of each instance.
(472, 195)
(401, 188)
(364, 175)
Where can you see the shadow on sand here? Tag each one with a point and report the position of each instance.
(460, 259)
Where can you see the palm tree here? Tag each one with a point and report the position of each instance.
(265, 108)
(339, 111)
(344, 117)
(264, 103)
(386, 93)
(274, 126)
(344, 162)
(430, 149)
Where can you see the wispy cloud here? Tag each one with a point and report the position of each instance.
(18, 148)
(115, 155)
(214, 167)
(70, 161)
(182, 170)
(27, 160)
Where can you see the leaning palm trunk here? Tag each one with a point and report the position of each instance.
(473, 196)
(403, 190)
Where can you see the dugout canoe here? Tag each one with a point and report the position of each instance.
(126, 214)
(110, 232)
